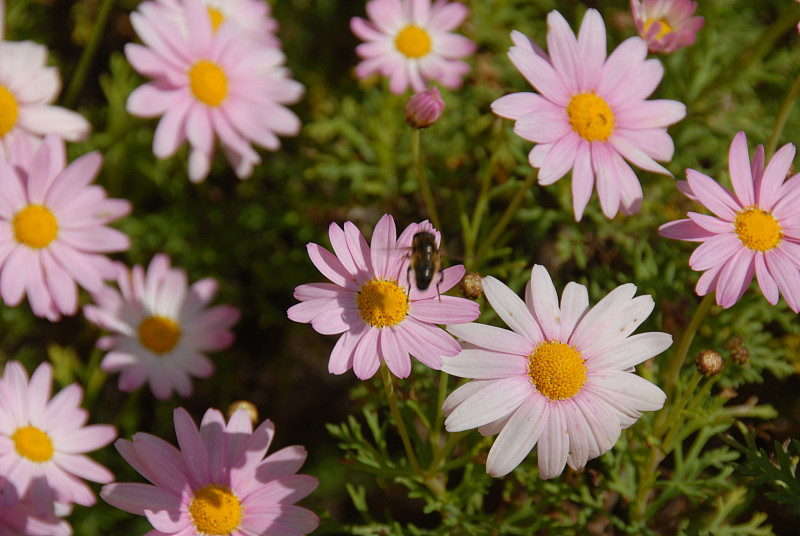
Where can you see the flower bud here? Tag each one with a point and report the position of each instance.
(424, 108)
(471, 286)
(709, 363)
(245, 405)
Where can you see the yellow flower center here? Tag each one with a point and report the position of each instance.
(557, 370)
(159, 334)
(216, 17)
(35, 226)
(413, 41)
(382, 303)
(758, 229)
(33, 444)
(590, 116)
(665, 28)
(208, 82)
(215, 510)
(8, 111)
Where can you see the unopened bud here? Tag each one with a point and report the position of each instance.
(424, 108)
(245, 405)
(740, 355)
(709, 363)
(471, 286)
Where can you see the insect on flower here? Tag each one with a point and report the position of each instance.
(425, 261)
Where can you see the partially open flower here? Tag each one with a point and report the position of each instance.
(666, 25)
(424, 108)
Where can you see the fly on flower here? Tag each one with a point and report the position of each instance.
(370, 302)
(425, 261)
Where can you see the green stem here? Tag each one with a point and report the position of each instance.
(388, 383)
(472, 230)
(783, 116)
(87, 57)
(679, 356)
(427, 194)
(505, 219)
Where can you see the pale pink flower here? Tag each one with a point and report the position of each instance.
(28, 87)
(562, 378)
(666, 25)
(218, 482)
(591, 114)
(251, 17)
(22, 519)
(412, 42)
(209, 84)
(53, 227)
(370, 301)
(43, 441)
(161, 327)
(755, 230)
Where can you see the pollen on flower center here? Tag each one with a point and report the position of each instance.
(35, 226)
(665, 28)
(215, 510)
(557, 370)
(413, 41)
(758, 229)
(382, 303)
(208, 82)
(33, 444)
(216, 17)
(8, 111)
(590, 116)
(159, 334)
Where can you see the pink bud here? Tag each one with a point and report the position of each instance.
(424, 108)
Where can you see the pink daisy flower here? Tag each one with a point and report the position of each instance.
(209, 84)
(561, 378)
(218, 483)
(22, 519)
(590, 115)
(412, 43)
(755, 230)
(370, 301)
(252, 17)
(161, 327)
(28, 87)
(43, 441)
(666, 25)
(53, 227)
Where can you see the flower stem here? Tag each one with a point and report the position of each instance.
(427, 194)
(505, 219)
(783, 116)
(388, 383)
(87, 57)
(679, 356)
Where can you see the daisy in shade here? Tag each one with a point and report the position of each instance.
(43, 441)
(207, 84)
(370, 301)
(218, 483)
(53, 227)
(666, 25)
(251, 17)
(562, 378)
(590, 114)
(161, 327)
(412, 43)
(755, 230)
(28, 88)
(21, 519)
